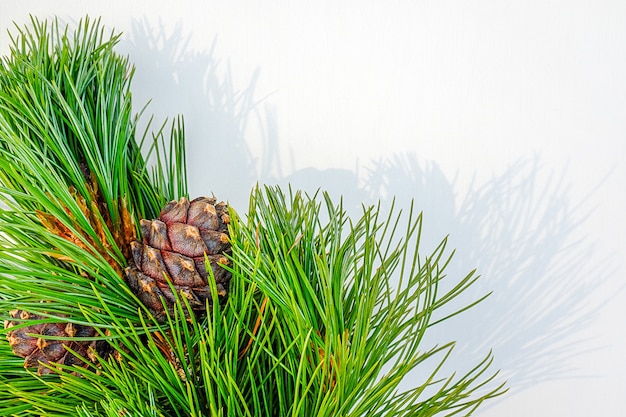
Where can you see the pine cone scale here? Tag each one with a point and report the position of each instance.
(186, 240)
(215, 241)
(155, 234)
(175, 211)
(203, 215)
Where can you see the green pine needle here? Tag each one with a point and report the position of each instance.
(326, 314)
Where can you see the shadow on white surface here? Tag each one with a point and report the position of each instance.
(179, 80)
(522, 233)
(519, 229)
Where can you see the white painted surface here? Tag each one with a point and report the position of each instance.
(506, 120)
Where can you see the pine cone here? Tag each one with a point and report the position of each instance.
(173, 252)
(40, 351)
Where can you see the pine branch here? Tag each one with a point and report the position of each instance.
(73, 185)
(356, 337)
(326, 315)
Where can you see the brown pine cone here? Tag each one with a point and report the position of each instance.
(40, 351)
(174, 252)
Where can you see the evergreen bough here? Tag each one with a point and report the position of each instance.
(326, 314)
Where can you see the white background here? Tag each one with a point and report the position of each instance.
(504, 120)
